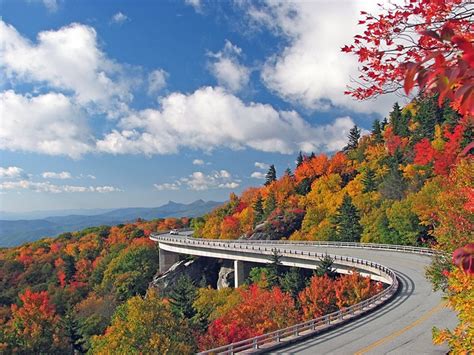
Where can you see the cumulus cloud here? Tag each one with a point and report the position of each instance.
(198, 162)
(258, 175)
(48, 123)
(211, 117)
(52, 188)
(311, 70)
(12, 172)
(263, 166)
(119, 18)
(226, 68)
(67, 59)
(156, 81)
(63, 175)
(200, 181)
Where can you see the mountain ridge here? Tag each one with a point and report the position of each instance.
(16, 232)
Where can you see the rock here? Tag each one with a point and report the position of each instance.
(226, 275)
(202, 271)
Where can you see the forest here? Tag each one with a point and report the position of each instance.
(408, 181)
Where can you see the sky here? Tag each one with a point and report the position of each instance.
(109, 104)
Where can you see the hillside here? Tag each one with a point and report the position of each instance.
(16, 232)
(390, 186)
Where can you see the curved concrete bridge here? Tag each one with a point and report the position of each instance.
(401, 326)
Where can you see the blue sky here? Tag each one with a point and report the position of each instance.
(109, 104)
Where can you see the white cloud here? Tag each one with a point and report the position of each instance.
(119, 18)
(67, 59)
(198, 162)
(12, 172)
(167, 186)
(218, 179)
(51, 5)
(227, 69)
(52, 175)
(258, 175)
(200, 181)
(156, 81)
(49, 124)
(52, 188)
(196, 4)
(263, 166)
(211, 117)
(311, 70)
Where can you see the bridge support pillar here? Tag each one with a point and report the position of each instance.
(239, 273)
(167, 259)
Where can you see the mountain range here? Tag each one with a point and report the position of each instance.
(16, 232)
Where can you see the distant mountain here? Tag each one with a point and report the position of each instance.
(16, 232)
(13, 216)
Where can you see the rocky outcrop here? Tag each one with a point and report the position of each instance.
(226, 275)
(202, 271)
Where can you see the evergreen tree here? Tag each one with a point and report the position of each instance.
(354, 136)
(325, 267)
(399, 121)
(346, 222)
(270, 204)
(304, 187)
(274, 269)
(288, 172)
(259, 213)
(377, 131)
(312, 156)
(182, 297)
(73, 332)
(271, 175)
(393, 185)
(292, 282)
(369, 181)
(299, 159)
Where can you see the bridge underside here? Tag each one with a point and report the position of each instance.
(169, 254)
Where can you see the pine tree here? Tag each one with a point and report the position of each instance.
(354, 136)
(274, 269)
(369, 181)
(292, 282)
(393, 185)
(259, 213)
(288, 172)
(270, 204)
(346, 222)
(397, 120)
(325, 267)
(299, 159)
(312, 156)
(73, 332)
(377, 131)
(182, 297)
(271, 175)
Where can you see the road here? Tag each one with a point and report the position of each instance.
(402, 326)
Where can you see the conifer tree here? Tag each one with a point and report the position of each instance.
(347, 222)
(288, 172)
(377, 131)
(354, 136)
(274, 269)
(271, 175)
(259, 213)
(299, 159)
(292, 282)
(369, 181)
(182, 297)
(312, 156)
(325, 267)
(270, 204)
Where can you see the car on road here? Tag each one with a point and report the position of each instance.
(174, 232)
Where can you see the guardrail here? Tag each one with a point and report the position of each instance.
(276, 338)
(389, 247)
